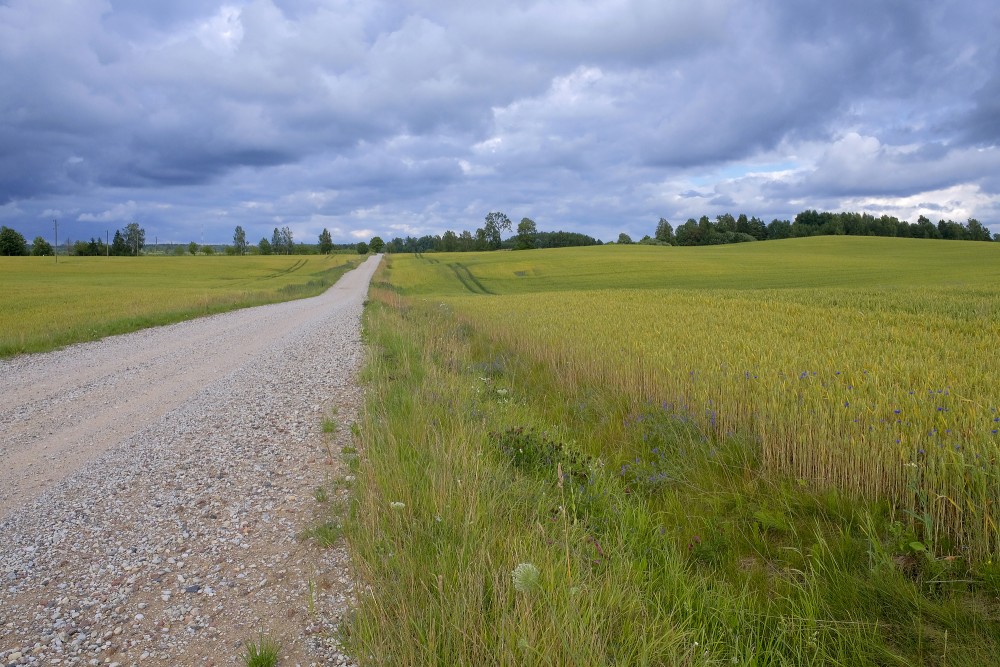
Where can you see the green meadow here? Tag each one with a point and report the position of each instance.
(761, 454)
(46, 305)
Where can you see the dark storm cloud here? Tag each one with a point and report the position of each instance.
(419, 116)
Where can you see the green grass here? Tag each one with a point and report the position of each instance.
(663, 542)
(261, 653)
(47, 305)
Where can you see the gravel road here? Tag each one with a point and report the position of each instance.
(154, 488)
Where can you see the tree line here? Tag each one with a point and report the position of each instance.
(727, 229)
(129, 241)
(490, 237)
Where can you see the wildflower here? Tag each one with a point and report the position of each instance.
(396, 505)
(525, 577)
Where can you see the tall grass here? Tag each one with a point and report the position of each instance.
(46, 305)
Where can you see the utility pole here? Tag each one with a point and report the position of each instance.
(55, 248)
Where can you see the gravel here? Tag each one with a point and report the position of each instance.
(154, 489)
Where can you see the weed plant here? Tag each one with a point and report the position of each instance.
(261, 653)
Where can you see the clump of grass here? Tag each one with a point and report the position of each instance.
(326, 533)
(264, 652)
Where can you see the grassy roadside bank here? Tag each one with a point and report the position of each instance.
(494, 526)
(47, 305)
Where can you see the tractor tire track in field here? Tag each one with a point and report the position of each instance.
(154, 487)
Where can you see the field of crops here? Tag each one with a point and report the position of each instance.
(766, 454)
(881, 377)
(47, 304)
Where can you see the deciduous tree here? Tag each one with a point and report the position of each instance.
(135, 238)
(527, 230)
(12, 242)
(40, 247)
(325, 242)
(240, 241)
(496, 223)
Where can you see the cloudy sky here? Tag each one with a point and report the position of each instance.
(410, 117)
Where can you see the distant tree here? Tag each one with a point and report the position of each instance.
(527, 230)
(689, 233)
(135, 238)
(449, 241)
(466, 242)
(725, 223)
(496, 223)
(287, 243)
(118, 246)
(229, 250)
(239, 241)
(779, 229)
(665, 232)
(179, 250)
(362, 248)
(925, 229)
(40, 247)
(325, 242)
(624, 239)
(12, 243)
(376, 244)
(208, 250)
(758, 229)
(193, 248)
(951, 230)
(264, 247)
(976, 231)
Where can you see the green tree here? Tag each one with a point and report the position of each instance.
(449, 241)
(376, 244)
(193, 248)
(496, 223)
(665, 232)
(208, 250)
(12, 243)
(40, 247)
(287, 242)
(624, 239)
(725, 223)
(527, 230)
(135, 237)
(277, 242)
(779, 229)
(240, 241)
(118, 246)
(325, 242)
(362, 248)
(976, 231)
(265, 247)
